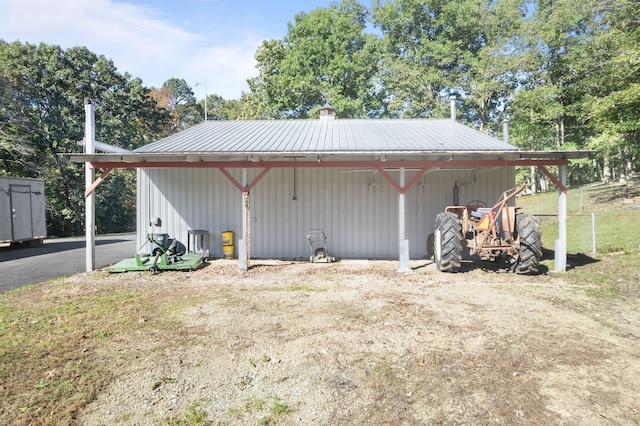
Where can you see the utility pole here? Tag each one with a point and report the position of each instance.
(205, 97)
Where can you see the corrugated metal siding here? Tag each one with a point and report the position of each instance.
(358, 210)
(188, 199)
(316, 136)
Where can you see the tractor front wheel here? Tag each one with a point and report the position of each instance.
(530, 251)
(447, 242)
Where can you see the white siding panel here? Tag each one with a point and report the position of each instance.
(188, 199)
(354, 218)
(358, 210)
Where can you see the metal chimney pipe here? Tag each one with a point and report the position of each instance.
(505, 130)
(452, 99)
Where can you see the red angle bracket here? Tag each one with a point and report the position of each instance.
(97, 182)
(402, 189)
(238, 184)
(553, 179)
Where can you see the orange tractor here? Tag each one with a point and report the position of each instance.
(493, 233)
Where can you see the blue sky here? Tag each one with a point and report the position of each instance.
(210, 41)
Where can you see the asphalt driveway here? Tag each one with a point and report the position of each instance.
(58, 258)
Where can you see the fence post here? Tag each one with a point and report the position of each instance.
(581, 190)
(561, 249)
(593, 232)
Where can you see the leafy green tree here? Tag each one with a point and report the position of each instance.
(558, 34)
(611, 72)
(487, 75)
(433, 49)
(326, 56)
(177, 97)
(417, 62)
(254, 105)
(15, 147)
(218, 108)
(579, 80)
(47, 88)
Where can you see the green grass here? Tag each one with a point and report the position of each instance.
(582, 199)
(51, 338)
(46, 351)
(617, 226)
(609, 276)
(615, 230)
(272, 409)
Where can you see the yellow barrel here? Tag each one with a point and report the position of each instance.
(227, 244)
(227, 238)
(228, 252)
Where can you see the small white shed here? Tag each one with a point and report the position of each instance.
(22, 210)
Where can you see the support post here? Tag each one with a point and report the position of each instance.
(90, 200)
(403, 242)
(561, 247)
(242, 245)
(593, 232)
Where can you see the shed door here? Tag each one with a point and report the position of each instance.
(21, 212)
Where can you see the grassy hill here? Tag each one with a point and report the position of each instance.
(613, 210)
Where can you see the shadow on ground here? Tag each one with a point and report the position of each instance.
(49, 246)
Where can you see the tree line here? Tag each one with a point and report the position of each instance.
(565, 73)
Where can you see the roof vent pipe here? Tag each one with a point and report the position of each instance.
(453, 107)
(327, 113)
(505, 130)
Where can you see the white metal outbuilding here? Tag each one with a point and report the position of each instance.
(373, 186)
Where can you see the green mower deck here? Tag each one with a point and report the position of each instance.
(186, 262)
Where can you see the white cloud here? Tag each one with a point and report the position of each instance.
(146, 47)
(225, 69)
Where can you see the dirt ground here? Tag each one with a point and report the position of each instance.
(358, 343)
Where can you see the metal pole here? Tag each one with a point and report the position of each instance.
(242, 244)
(581, 191)
(90, 201)
(452, 102)
(205, 97)
(593, 232)
(561, 251)
(403, 243)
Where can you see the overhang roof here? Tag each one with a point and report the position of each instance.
(326, 137)
(337, 140)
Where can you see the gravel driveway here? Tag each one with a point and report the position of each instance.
(293, 343)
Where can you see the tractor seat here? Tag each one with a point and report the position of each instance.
(480, 212)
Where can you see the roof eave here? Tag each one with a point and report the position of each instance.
(292, 156)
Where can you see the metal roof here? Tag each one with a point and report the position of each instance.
(327, 137)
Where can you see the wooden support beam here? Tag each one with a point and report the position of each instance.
(554, 179)
(97, 182)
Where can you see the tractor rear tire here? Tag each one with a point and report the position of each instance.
(447, 243)
(528, 229)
